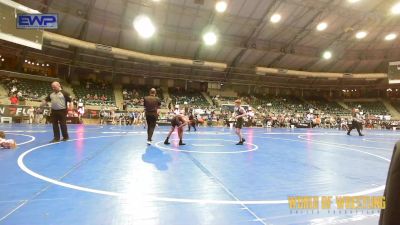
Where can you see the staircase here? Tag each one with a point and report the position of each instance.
(3, 91)
(165, 93)
(119, 99)
(4, 95)
(392, 111)
(207, 97)
(67, 87)
(167, 97)
(341, 103)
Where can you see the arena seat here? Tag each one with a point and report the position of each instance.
(371, 108)
(133, 95)
(82, 92)
(34, 90)
(328, 107)
(179, 97)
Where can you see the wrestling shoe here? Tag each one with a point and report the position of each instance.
(166, 143)
(181, 143)
(54, 141)
(148, 142)
(240, 143)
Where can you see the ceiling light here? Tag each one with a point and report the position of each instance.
(210, 38)
(322, 26)
(276, 18)
(144, 26)
(353, 1)
(221, 6)
(361, 34)
(396, 8)
(391, 37)
(327, 55)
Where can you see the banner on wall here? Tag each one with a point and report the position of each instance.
(17, 110)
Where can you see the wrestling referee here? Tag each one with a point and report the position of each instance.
(152, 110)
(59, 100)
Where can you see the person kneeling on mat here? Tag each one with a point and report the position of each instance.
(178, 121)
(240, 112)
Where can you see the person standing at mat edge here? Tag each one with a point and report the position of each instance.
(239, 114)
(59, 100)
(152, 110)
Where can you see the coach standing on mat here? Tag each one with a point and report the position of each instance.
(152, 109)
(59, 100)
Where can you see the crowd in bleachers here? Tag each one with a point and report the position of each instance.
(24, 89)
(326, 106)
(181, 97)
(95, 93)
(133, 95)
(372, 108)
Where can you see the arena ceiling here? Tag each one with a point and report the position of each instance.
(247, 38)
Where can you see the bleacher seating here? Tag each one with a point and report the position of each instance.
(277, 104)
(88, 93)
(34, 90)
(370, 108)
(327, 107)
(180, 97)
(133, 95)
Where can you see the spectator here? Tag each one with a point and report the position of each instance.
(14, 99)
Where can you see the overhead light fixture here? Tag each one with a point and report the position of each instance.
(327, 55)
(26, 60)
(276, 18)
(47, 65)
(144, 26)
(221, 6)
(391, 37)
(353, 1)
(322, 26)
(210, 38)
(361, 34)
(396, 9)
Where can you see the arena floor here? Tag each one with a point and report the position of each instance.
(108, 175)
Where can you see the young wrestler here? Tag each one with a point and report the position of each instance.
(178, 121)
(6, 143)
(240, 112)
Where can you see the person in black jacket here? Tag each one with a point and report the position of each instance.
(391, 214)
